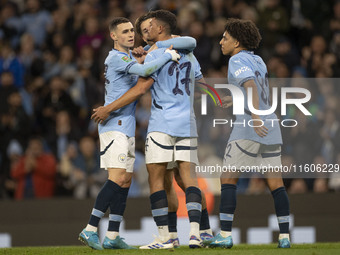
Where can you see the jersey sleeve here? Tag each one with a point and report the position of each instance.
(240, 70)
(180, 43)
(150, 67)
(151, 56)
(122, 63)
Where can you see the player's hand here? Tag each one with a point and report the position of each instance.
(227, 101)
(259, 127)
(138, 52)
(174, 55)
(100, 114)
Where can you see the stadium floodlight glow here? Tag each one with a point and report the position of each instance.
(238, 100)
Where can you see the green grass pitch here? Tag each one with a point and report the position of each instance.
(297, 249)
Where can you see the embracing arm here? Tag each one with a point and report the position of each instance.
(180, 43)
(149, 68)
(101, 113)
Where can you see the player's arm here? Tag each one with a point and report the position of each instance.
(179, 43)
(149, 68)
(260, 129)
(101, 113)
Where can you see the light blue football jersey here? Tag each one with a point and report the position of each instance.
(172, 93)
(245, 66)
(117, 82)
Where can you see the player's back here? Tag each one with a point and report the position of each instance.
(117, 83)
(246, 66)
(172, 96)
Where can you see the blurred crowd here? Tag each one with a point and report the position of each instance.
(51, 77)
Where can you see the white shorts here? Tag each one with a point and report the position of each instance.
(244, 153)
(117, 151)
(163, 148)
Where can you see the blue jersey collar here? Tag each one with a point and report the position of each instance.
(129, 55)
(247, 51)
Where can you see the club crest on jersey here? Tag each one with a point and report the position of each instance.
(126, 59)
(122, 158)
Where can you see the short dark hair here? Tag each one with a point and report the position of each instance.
(116, 21)
(139, 22)
(166, 17)
(245, 32)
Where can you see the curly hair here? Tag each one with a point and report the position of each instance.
(117, 21)
(245, 32)
(167, 18)
(139, 22)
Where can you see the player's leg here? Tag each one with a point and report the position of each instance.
(205, 230)
(172, 205)
(158, 198)
(281, 203)
(278, 191)
(227, 210)
(238, 154)
(186, 158)
(158, 152)
(111, 195)
(123, 180)
(193, 198)
(114, 157)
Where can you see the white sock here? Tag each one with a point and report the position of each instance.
(194, 229)
(163, 233)
(112, 234)
(91, 228)
(208, 231)
(281, 236)
(225, 234)
(173, 235)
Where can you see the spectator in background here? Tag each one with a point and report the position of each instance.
(35, 172)
(335, 49)
(320, 183)
(273, 19)
(313, 54)
(329, 131)
(203, 48)
(14, 124)
(36, 21)
(28, 53)
(56, 99)
(7, 185)
(334, 181)
(334, 24)
(10, 62)
(14, 121)
(10, 24)
(64, 63)
(289, 56)
(7, 87)
(298, 186)
(82, 169)
(92, 35)
(62, 135)
(87, 60)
